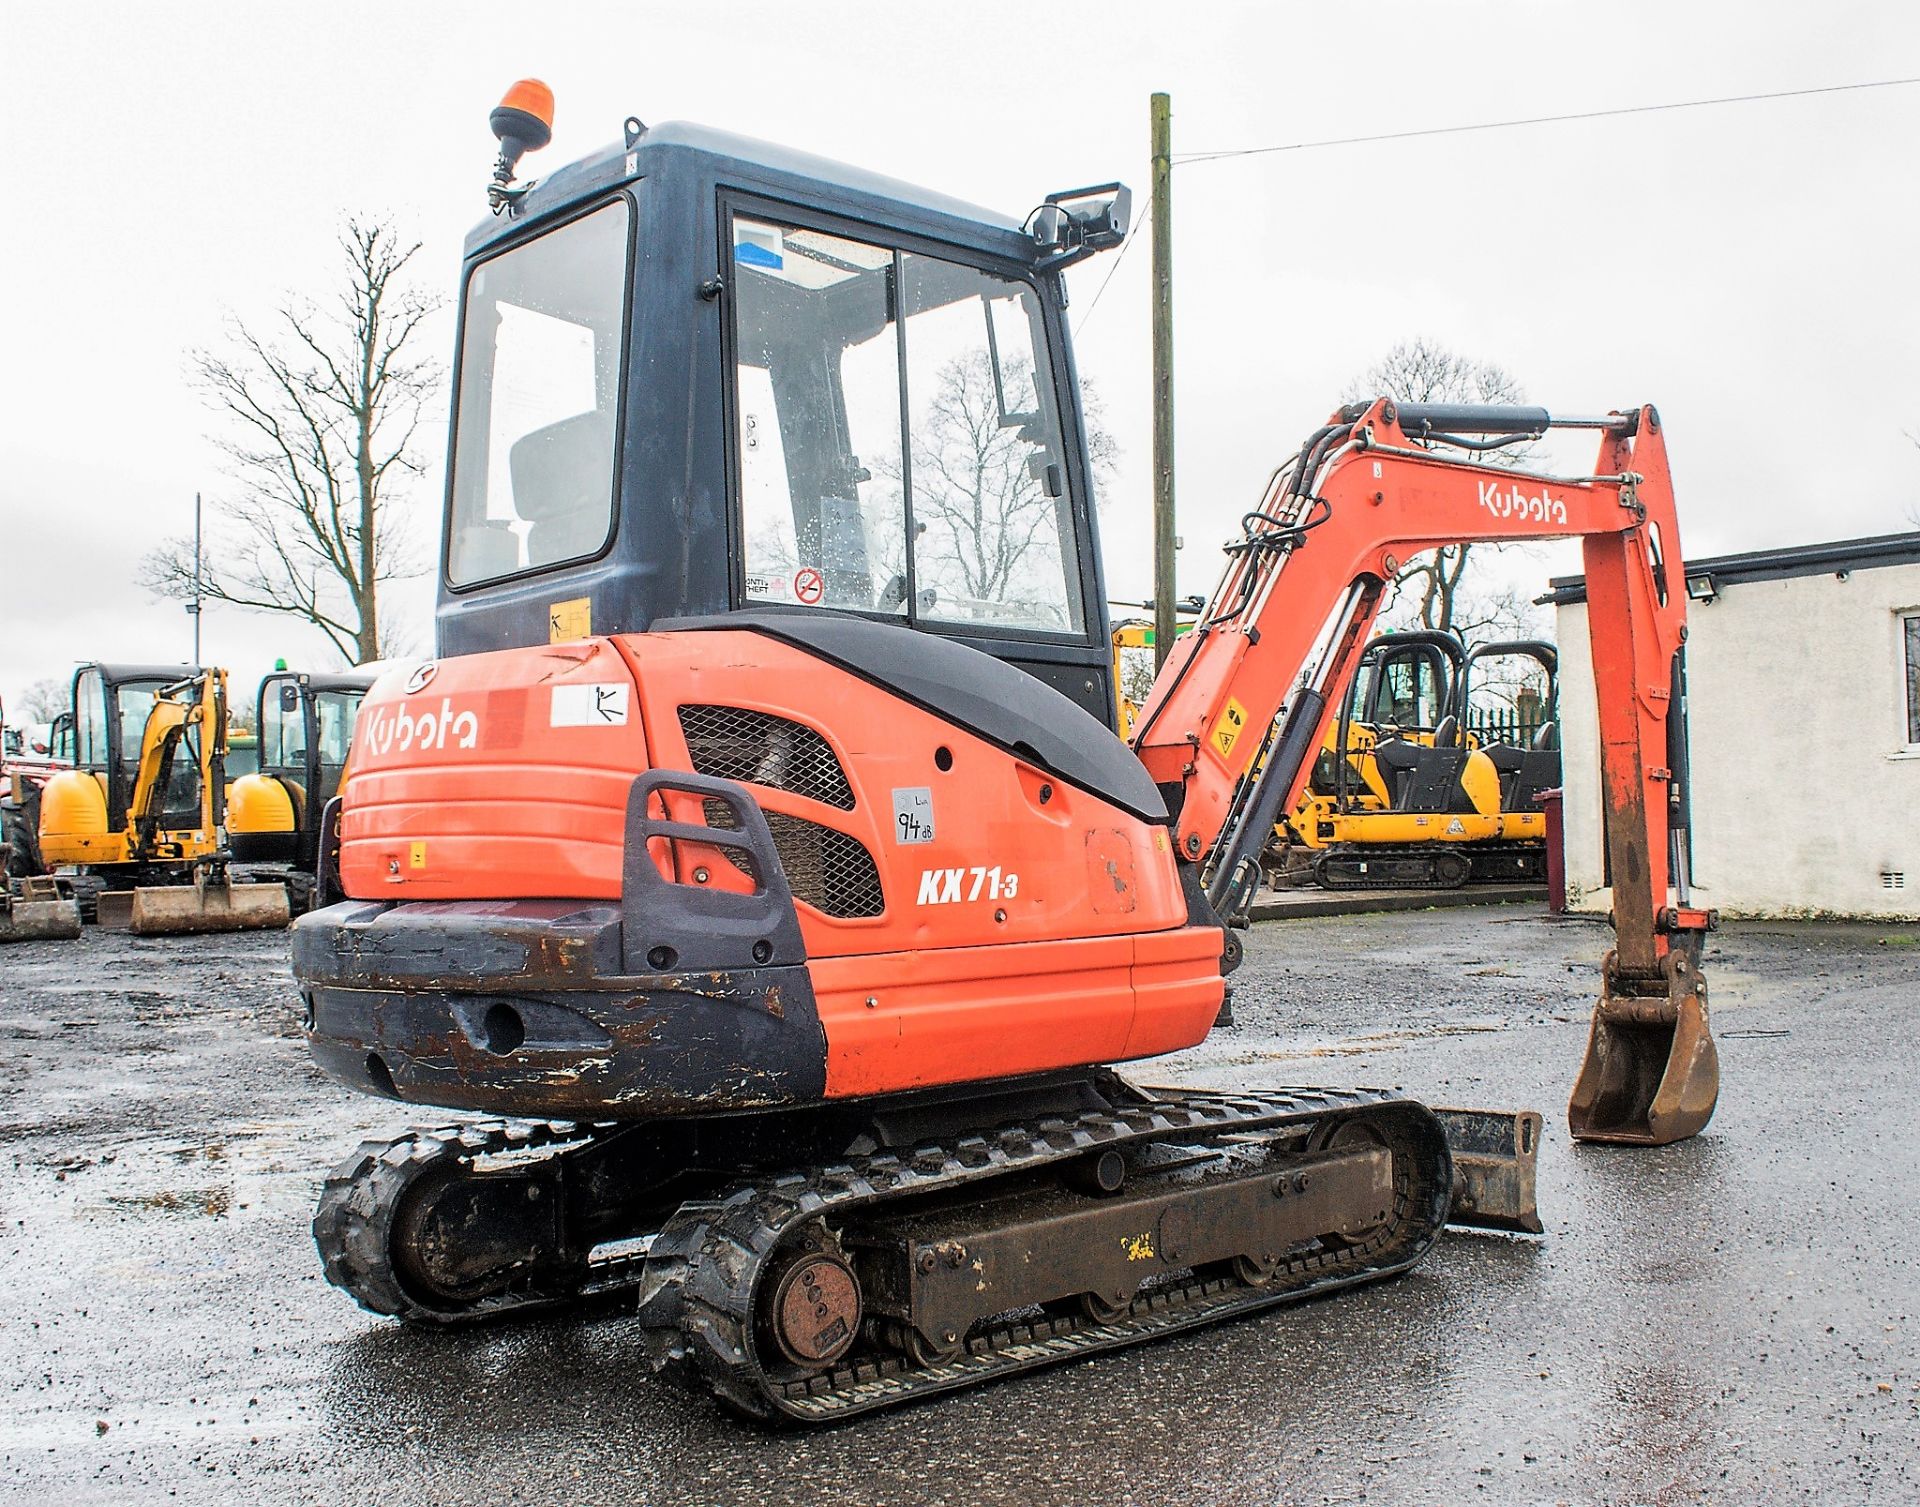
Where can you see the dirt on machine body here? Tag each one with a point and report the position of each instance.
(788, 892)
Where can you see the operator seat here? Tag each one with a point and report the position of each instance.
(563, 486)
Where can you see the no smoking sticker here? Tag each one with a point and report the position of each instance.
(808, 586)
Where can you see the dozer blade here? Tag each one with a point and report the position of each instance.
(1651, 1074)
(39, 920)
(174, 909)
(1495, 1152)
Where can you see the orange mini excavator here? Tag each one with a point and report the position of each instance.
(759, 844)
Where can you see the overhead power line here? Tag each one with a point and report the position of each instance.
(1146, 210)
(1186, 158)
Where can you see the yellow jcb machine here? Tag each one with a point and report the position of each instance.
(273, 816)
(140, 812)
(1406, 794)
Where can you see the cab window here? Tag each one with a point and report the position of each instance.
(334, 715)
(540, 359)
(898, 439)
(283, 727)
(90, 720)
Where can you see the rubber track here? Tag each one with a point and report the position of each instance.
(702, 1274)
(1476, 855)
(353, 1221)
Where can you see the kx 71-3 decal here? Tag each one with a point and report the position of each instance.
(955, 886)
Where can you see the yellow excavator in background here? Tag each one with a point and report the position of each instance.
(305, 729)
(1134, 662)
(1432, 791)
(140, 812)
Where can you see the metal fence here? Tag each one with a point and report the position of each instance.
(1504, 725)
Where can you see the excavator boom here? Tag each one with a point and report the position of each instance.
(1242, 701)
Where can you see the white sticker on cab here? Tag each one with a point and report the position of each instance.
(590, 705)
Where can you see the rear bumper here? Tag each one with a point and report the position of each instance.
(522, 1008)
(676, 999)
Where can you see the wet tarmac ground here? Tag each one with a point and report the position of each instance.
(1728, 1320)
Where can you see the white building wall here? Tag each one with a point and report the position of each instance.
(1804, 789)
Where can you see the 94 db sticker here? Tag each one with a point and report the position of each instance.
(955, 886)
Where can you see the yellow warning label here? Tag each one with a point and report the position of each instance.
(416, 855)
(567, 621)
(1226, 731)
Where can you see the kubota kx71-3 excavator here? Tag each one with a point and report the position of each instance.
(759, 842)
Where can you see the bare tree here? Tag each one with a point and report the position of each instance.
(1436, 590)
(974, 477)
(42, 701)
(320, 414)
(1912, 509)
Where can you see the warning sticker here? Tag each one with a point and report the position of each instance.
(567, 621)
(808, 586)
(1226, 731)
(590, 705)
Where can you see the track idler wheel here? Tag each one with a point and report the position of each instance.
(813, 1306)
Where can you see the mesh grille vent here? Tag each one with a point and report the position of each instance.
(757, 748)
(831, 871)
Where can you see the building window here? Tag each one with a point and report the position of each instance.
(1910, 643)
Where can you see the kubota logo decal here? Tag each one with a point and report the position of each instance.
(1512, 502)
(385, 731)
(422, 674)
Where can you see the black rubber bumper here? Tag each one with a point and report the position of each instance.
(675, 1000)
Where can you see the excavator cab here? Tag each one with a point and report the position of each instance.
(84, 821)
(701, 374)
(1515, 714)
(305, 723)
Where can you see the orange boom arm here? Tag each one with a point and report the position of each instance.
(1244, 698)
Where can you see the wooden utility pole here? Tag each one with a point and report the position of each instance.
(1163, 536)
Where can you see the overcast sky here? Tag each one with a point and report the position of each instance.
(1748, 268)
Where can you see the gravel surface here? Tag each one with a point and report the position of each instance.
(1729, 1320)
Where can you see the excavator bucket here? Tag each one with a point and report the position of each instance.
(37, 913)
(1651, 1074)
(160, 910)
